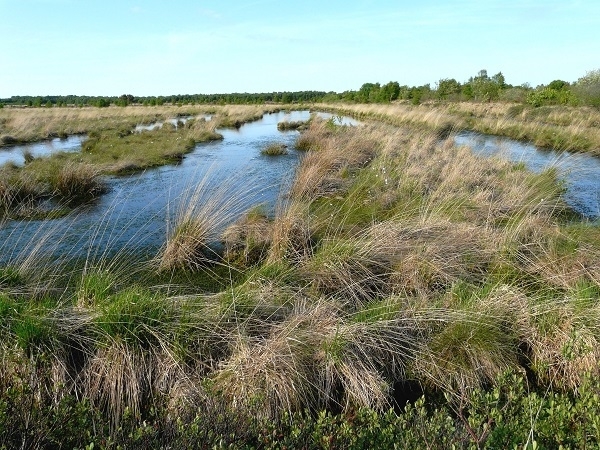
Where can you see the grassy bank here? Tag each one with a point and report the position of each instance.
(21, 125)
(385, 274)
(558, 127)
(51, 186)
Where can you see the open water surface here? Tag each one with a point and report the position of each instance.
(133, 217)
(580, 172)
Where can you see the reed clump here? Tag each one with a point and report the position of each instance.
(274, 149)
(202, 216)
(78, 182)
(291, 125)
(43, 187)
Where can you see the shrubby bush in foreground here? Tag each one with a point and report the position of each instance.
(508, 415)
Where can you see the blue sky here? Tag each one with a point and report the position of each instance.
(151, 47)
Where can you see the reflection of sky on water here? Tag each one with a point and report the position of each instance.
(133, 215)
(579, 171)
(43, 148)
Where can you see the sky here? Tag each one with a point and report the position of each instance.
(160, 47)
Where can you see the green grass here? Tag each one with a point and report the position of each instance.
(71, 179)
(123, 152)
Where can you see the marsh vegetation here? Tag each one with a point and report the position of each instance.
(383, 275)
(40, 187)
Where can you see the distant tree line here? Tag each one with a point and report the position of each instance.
(188, 99)
(481, 88)
(478, 88)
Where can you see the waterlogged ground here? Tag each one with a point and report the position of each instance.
(579, 171)
(133, 216)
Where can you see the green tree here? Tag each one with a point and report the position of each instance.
(558, 85)
(368, 92)
(484, 88)
(499, 80)
(587, 88)
(418, 94)
(448, 88)
(286, 98)
(389, 92)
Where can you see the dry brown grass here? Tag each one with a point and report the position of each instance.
(334, 153)
(317, 356)
(564, 344)
(291, 234)
(32, 124)
(248, 239)
(396, 256)
(277, 368)
(560, 127)
(466, 346)
(234, 116)
(201, 218)
(78, 181)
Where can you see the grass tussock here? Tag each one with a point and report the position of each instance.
(291, 125)
(248, 239)
(274, 150)
(201, 218)
(78, 182)
(396, 260)
(43, 188)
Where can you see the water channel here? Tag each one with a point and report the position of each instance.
(133, 216)
(580, 172)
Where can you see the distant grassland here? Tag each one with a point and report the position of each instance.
(19, 125)
(558, 127)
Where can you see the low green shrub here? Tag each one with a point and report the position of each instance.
(511, 415)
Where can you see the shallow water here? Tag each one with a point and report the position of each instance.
(133, 216)
(579, 171)
(15, 153)
(175, 122)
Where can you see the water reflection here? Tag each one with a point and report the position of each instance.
(579, 171)
(133, 216)
(15, 154)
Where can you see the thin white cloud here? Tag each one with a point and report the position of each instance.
(210, 13)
